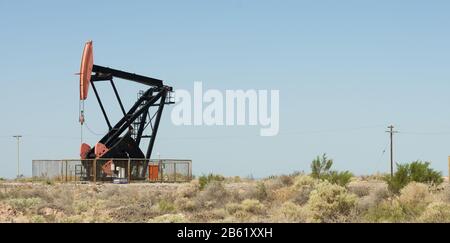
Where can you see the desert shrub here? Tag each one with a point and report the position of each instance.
(253, 206)
(235, 179)
(273, 184)
(62, 200)
(296, 173)
(302, 195)
(414, 194)
(414, 198)
(206, 179)
(24, 204)
(237, 195)
(73, 219)
(37, 191)
(417, 171)
(389, 211)
(301, 181)
(80, 206)
(303, 185)
(283, 194)
(169, 218)
(365, 203)
(112, 191)
(361, 189)
(51, 215)
(243, 216)
(376, 196)
(214, 195)
(261, 191)
(286, 180)
(185, 204)
(290, 212)
(212, 215)
(379, 193)
(445, 194)
(232, 207)
(246, 209)
(436, 212)
(411, 203)
(330, 203)
(133, 213)
(37, 219)
(165, 206)
(188, 190)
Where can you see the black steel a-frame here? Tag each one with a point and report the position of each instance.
(124, 138)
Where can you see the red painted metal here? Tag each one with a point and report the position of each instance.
(106, 168)
(153, 172)
(87, 63)
(100, 149)
(84, 150)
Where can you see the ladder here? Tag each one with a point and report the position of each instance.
(138, 121)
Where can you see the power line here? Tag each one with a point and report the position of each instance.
(281, 133)
(382, 154)
(92, 131)
(333, 130)
(426, 133)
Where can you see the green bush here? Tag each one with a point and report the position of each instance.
(407, 207)
(339, 178)
(303, 185)
(437, 212)
(302, 181)
(37, 219)
(414, 198)
(253, 206)
(320, 166)
(290, 212)
(169, 218)
(387, 212)
(206, 179)
(330, 203)
(417, 171)
(24, 204)
(166, 206)
(321, 169)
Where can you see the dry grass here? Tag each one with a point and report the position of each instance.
(288, 198)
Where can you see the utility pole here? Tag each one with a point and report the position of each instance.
(18, 154)
(391, 133)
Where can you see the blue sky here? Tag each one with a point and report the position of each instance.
(345, 71)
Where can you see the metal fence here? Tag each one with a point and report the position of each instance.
(113, 170)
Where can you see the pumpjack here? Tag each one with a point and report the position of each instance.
(124, 138)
